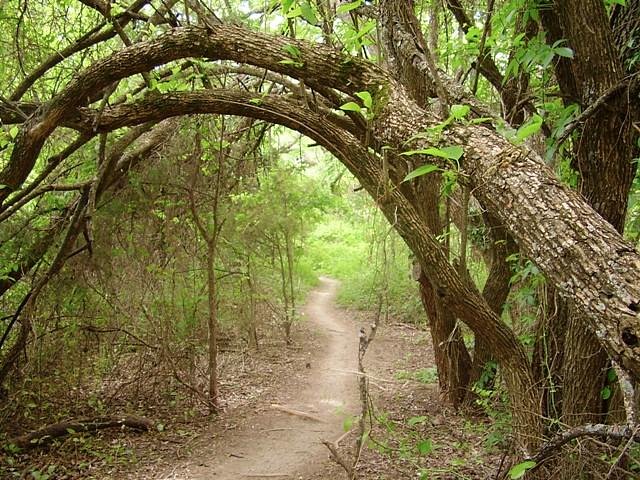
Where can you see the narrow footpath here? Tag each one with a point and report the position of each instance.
(279, 445)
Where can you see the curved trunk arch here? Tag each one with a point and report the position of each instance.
(578, 251)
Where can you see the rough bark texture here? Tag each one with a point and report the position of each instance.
(403, 37)
(602, 157)
(496, 289)
(47, 434)
(579, 252)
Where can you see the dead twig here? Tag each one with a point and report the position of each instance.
(339, 459)
(297, 413)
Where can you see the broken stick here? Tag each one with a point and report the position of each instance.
(297, 413)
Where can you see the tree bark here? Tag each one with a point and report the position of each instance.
(579, 252)
(403, 36)
(603, 151)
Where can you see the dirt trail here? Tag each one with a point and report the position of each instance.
(274, 444)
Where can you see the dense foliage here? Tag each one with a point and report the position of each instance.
(175, 175)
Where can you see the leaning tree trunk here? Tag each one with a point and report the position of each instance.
(495, 292)
(603, 152)
(579, 252)
(453, 361)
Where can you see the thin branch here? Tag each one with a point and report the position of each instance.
(591, 110)
(483, 41)
(599, 430)
(87, 40)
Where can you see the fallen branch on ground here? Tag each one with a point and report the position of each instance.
(45, 435)
(297, 413)
(350, 467)
(336, 457)
(360, 374)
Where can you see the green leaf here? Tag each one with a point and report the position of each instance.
(605, 393)
(351, 107)
(425, 447)
(366, 99)
(416, 420)
(512, 70)
(532, 126)
(477, 121)
(563, 52)
(366, 28)
(307, 13)
(347, 7)
(14, 131)
(348, 423)
(450, 153)
(292, 51)
(423, 170)
(458, 112)
(453, 153)
(286, 5)
(612, 375)
(518, 471)
(294, 12)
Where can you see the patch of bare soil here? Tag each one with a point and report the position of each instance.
(279, 403)
(281, 436)
(249, 383)
(414, 436)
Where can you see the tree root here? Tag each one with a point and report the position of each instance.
(46, 434)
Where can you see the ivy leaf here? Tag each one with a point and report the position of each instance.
(518, 471)
(347, 7)
(423, 170)
(605, 393)
(531, 127)
(366, 99)
(351, 107)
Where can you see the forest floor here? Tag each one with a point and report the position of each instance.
(271, 443)
(257, 436)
